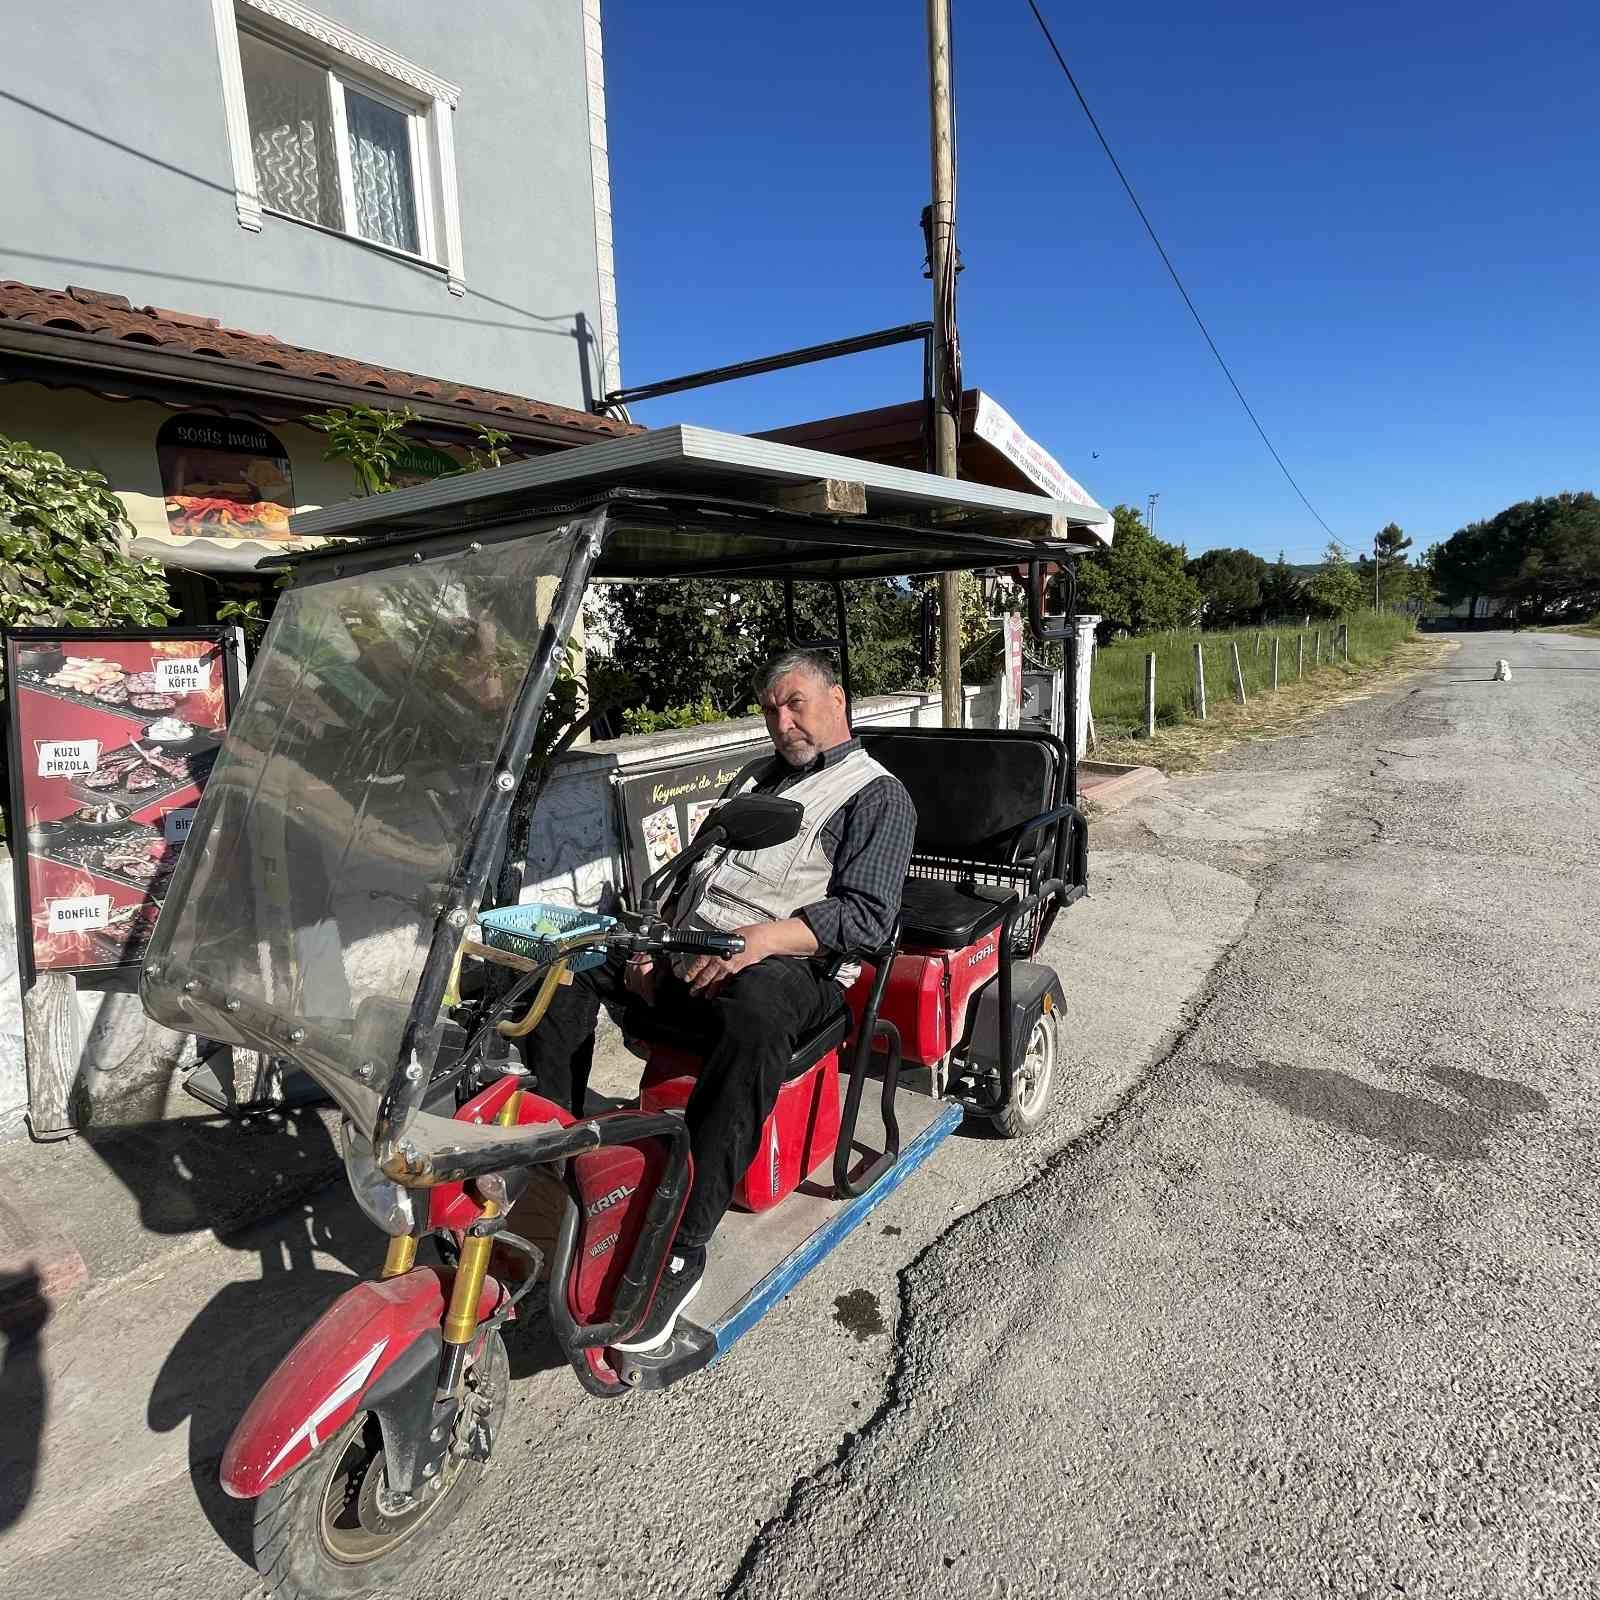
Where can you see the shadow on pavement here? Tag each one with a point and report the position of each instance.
(24, 1401)
(214, 1173)
(1402, 1122)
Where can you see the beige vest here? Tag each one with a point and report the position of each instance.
(731, 889)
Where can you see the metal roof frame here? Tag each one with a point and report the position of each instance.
(705, 463)
(649, 534)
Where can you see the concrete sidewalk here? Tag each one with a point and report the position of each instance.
(87, 1211)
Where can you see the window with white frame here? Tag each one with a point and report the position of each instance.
(331, 129)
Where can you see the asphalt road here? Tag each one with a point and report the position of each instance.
(1294, 1296)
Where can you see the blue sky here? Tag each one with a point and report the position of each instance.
(1387, 215)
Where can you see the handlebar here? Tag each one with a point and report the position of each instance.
(679, 941)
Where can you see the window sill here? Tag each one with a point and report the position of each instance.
(434, 269)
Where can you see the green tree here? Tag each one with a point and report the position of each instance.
(1139, 583)
(1230, 583)
(1334, 589)
(372, 442)
(1542, 556)
(1383, 576)
(686, 641)
(63, 551)
(1282, 590)
(369, 439)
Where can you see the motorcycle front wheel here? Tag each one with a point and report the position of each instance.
(322, 1533)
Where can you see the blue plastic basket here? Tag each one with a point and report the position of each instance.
(532, 930)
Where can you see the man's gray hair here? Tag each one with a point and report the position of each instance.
(780, 666)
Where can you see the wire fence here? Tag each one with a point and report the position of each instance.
(1238, 662)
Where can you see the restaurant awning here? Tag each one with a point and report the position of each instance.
(99, 342)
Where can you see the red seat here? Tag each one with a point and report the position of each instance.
(799, 1136)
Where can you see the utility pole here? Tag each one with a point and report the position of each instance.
(1150, 511)
(1377, 566)
(946, 349)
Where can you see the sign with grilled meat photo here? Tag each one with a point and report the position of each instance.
(111, 739)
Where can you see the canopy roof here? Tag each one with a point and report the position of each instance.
(729, 475)
(645, 533)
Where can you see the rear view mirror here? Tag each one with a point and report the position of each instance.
(757, 821)
(747, 822)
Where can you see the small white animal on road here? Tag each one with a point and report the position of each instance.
(1502, 671)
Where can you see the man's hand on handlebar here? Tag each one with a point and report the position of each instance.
(791, 937)
(706, 975)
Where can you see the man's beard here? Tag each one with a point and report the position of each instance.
(801, 754)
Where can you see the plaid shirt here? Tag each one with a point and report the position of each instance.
(868, 843)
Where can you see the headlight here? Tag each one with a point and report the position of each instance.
(384, 1201)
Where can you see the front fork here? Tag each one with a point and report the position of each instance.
(403, 1468)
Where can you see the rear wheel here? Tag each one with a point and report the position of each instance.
(1032, 1081)
(324, 1531)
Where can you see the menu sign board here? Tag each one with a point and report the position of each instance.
(660, 811)
(112, 736)
(224, 479)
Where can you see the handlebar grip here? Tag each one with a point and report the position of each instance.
(691, 941)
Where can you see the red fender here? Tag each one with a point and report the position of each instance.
(318, 1386)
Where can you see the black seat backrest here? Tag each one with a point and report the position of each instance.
(972, 789)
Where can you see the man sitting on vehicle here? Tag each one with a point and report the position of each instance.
(827, 898)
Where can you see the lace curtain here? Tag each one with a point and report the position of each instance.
(291, 133)
(380, 162)
(297, 160)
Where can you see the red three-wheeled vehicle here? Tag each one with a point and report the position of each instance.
(345, 904)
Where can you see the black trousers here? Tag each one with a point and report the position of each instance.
(750, 1030)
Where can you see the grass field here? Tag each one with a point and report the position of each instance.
(1117, 684)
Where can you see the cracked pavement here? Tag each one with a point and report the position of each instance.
(1294, 1295)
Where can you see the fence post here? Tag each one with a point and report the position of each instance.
(1238, 674)
(1316, 648)
(1200, 680)
(1300, 655)
(1274, 663)
(1150, 695)
(1255, 649)
(1344, 640)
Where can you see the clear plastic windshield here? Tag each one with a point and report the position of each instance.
(344, 798)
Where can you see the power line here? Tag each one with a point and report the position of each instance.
(1172, 271)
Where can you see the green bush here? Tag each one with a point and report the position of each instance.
(684, 640)
(63, 561)
(641, 719)
(62, 555)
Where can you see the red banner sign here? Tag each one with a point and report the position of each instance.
(112, 737)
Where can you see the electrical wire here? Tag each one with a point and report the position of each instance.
(1172, 271)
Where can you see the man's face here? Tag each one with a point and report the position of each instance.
(805, 716)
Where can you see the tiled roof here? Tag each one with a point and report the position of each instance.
(114, 317)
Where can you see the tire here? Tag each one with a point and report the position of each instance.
(1033, 1080)
(314, 1533)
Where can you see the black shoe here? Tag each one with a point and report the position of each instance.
(680, 1283)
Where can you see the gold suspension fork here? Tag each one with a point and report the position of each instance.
(461, 1319)
(401, 1255)
(462, 1316)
